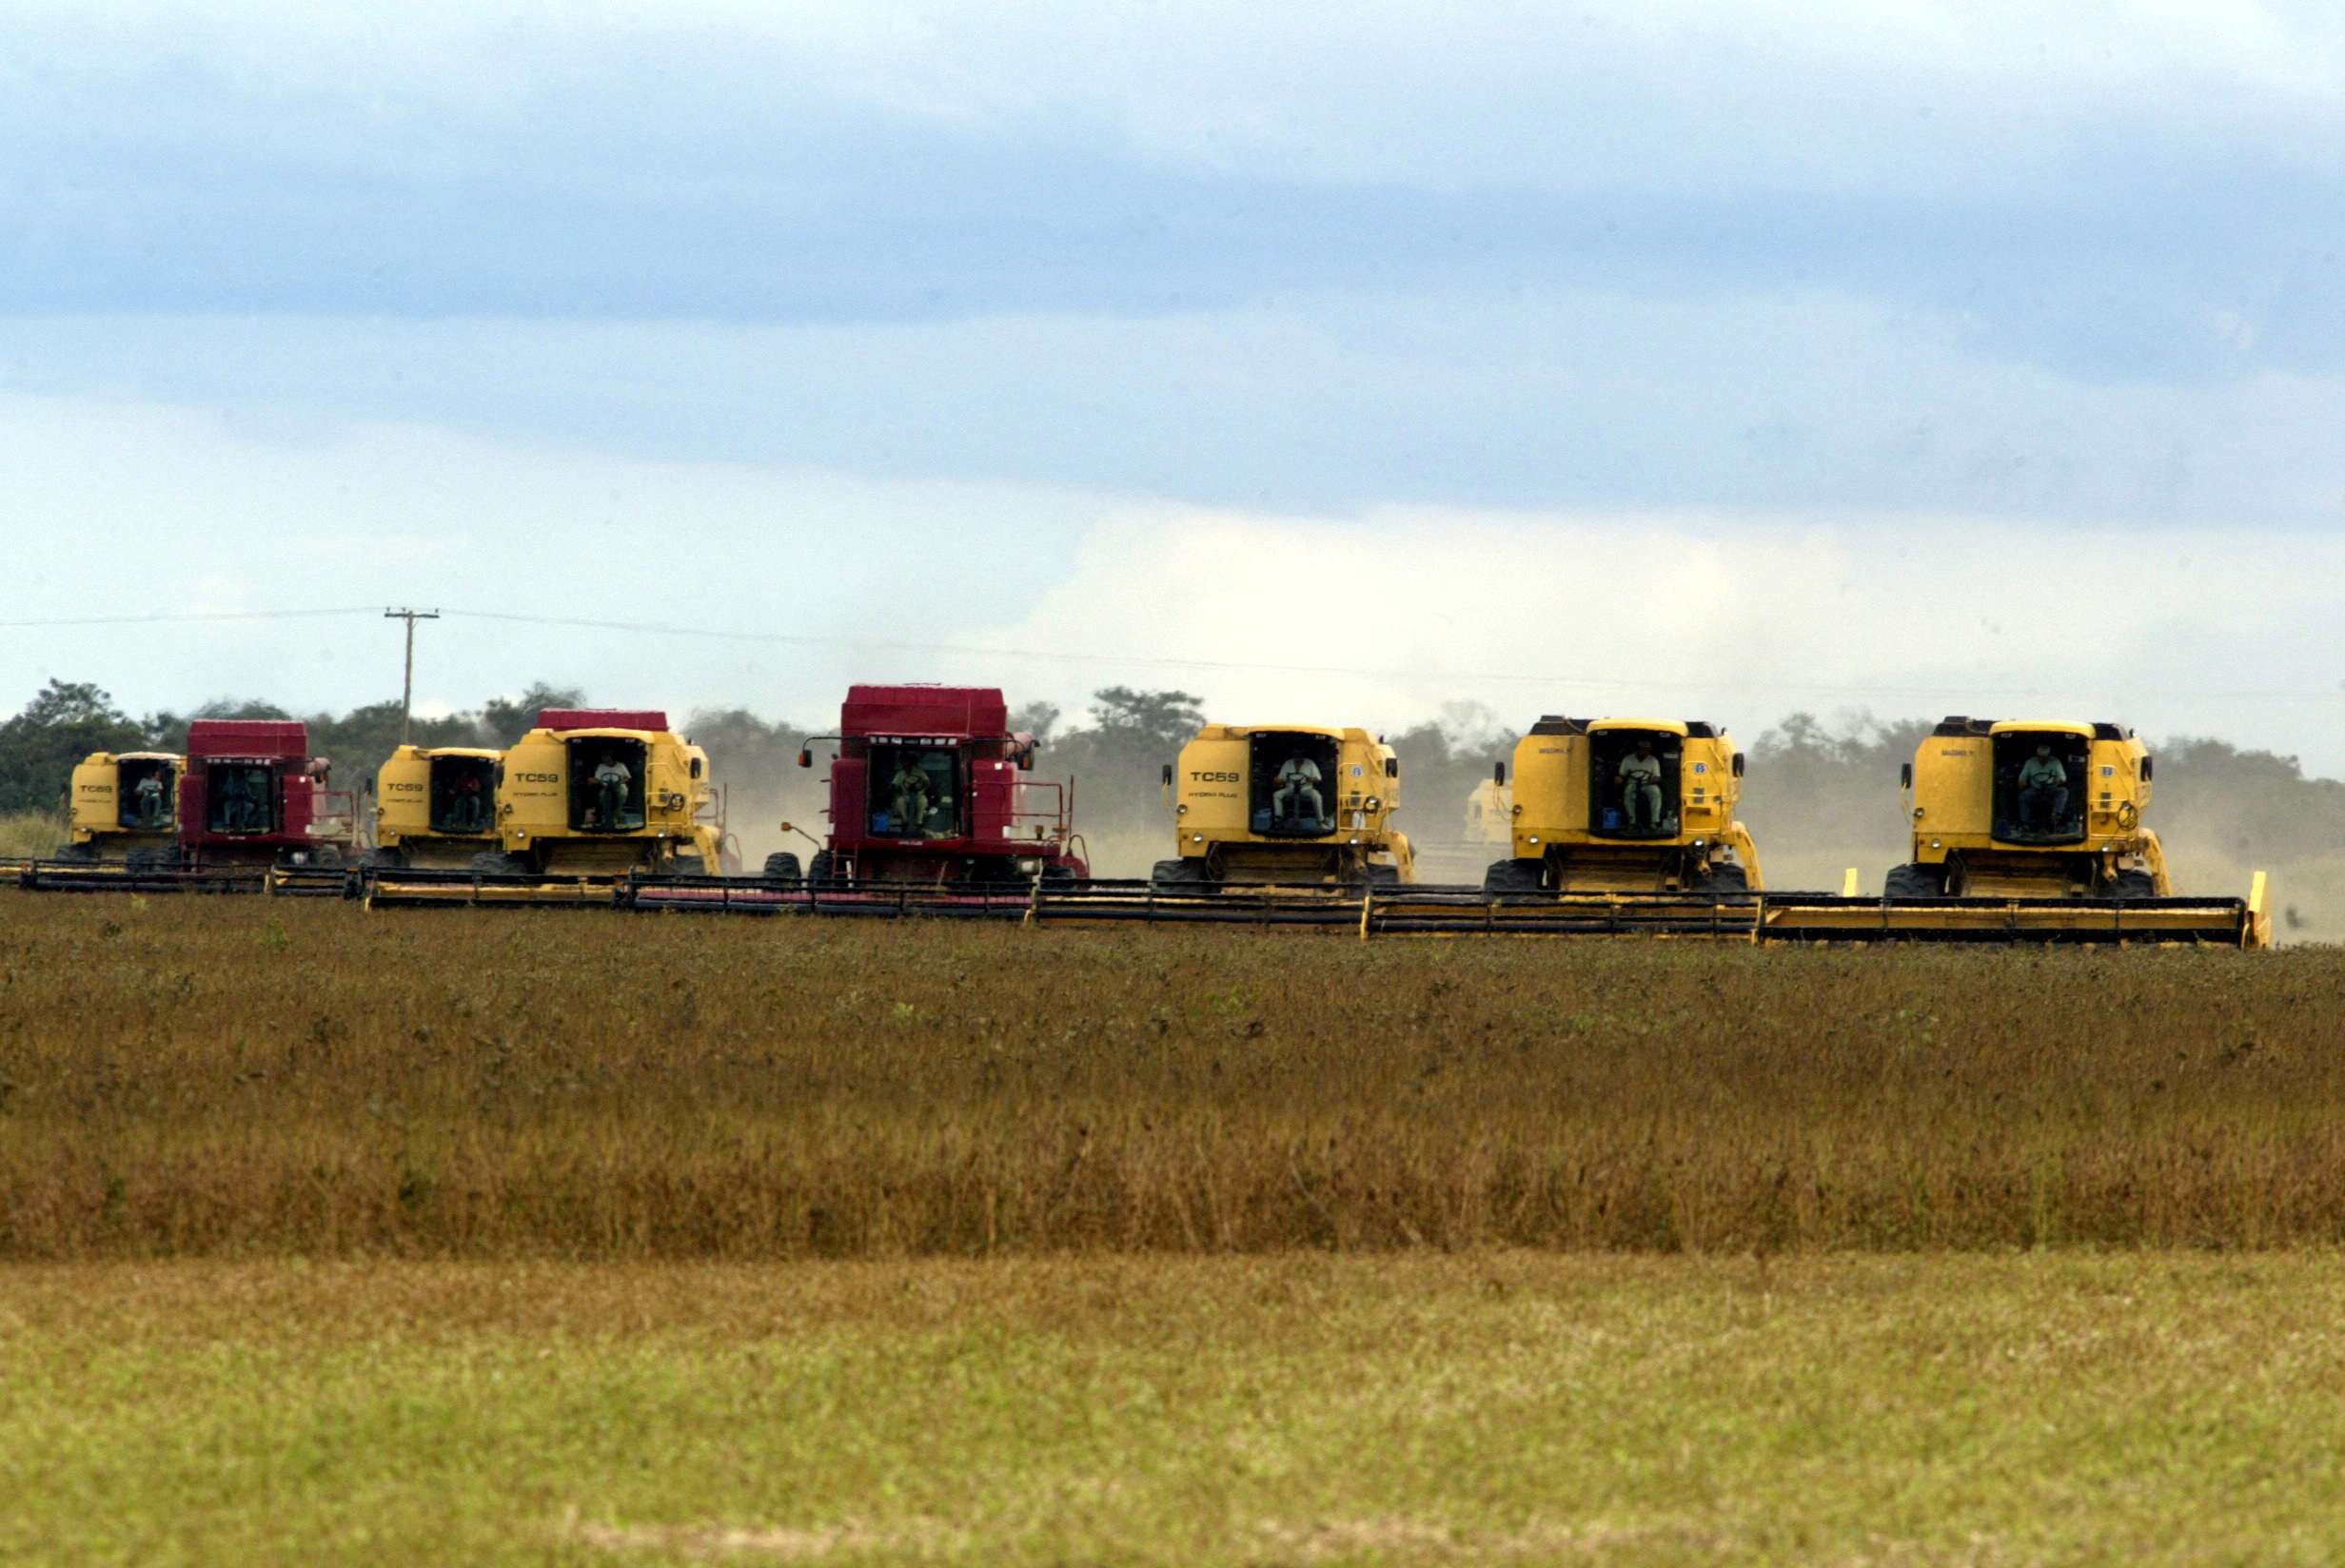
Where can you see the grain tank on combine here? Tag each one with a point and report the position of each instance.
(929, 787)
(1615, 806)
(123, 810)
(435, 807)
(1285, 803)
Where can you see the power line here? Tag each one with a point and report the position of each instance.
(162, 617)
(1256, 666)
(1576, 680)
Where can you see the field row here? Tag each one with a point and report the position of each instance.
(221, 1078)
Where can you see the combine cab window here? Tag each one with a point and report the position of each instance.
(463, 793)
(146, 794)
(1634, 790)
(913, 790)
(607, 785)
(240, 797)
(1292, 784)
(2040, 785)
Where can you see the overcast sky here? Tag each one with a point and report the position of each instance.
(1334, 361)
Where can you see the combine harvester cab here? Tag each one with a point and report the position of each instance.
(2030, 830)
(590, 803)
(249, 810)
(1284, 805)
(1613, 806)
(928, 790)
(435, 809)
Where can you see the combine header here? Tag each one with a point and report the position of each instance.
(250, 812)
(1290, 804)
(590, 799)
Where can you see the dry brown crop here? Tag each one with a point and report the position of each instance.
(257, 1077)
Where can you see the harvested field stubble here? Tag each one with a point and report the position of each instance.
(226, 1077)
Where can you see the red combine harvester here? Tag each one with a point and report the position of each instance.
(252, 795)
(929, 787)
(254, 814)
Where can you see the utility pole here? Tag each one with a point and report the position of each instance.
(407, 684)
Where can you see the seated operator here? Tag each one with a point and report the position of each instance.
(231, 814)
(149, 793)
(909, 788)
(611, 781)
(2043, 790)
(1298, 792)
(1639, 781)
(468, 814)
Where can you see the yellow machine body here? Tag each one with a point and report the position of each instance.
(1971, 838)
(108, 817)
(1572, 831)
(1286, 803)
(548, 822)
(436, 806)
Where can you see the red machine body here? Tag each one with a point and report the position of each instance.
(253, 795)
(602, 719)
(930, 786)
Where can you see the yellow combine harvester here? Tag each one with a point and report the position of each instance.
(587, 799)
(2027, 830)
(124, 811)
(435, 809)
(1612, 806)
(1285, 803)
(2029, 809)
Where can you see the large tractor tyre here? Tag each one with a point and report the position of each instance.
(1914, 881)
(1380, 877)
(782, 866)
(148, 857)
(818, 870)
(76, 854)
(1179, 873)
(1726, 879)
(1513, 876)
(382, 860)
(2133, 884)
(497, 863)
(1054, 876)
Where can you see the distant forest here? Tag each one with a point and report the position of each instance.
(1818, 795)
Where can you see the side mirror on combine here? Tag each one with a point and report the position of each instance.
(696, 767)
(1905, 775)
(1498, 776)
(1391, 767)
(805, 756)
(1167, 775)
(2145, 769)
(1738, 764)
